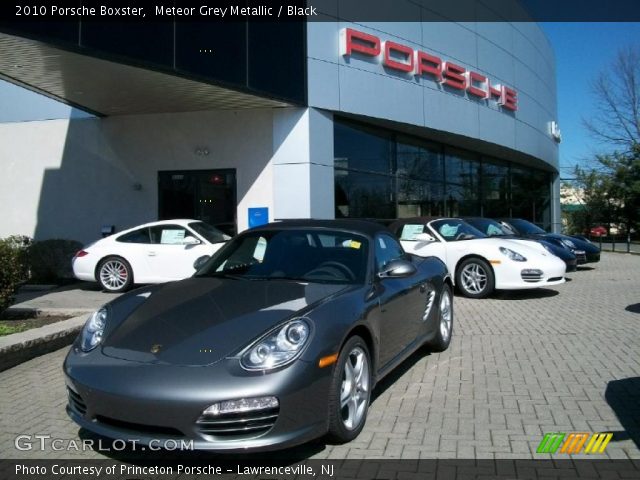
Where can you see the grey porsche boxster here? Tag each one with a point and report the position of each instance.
(278, 338)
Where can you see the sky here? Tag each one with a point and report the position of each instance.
(582, 50)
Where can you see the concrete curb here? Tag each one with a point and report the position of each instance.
(20, 347)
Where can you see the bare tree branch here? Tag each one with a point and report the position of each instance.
(617, 98)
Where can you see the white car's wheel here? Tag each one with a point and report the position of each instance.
(114, 274)
(474, 278)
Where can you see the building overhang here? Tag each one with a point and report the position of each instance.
(106, 87)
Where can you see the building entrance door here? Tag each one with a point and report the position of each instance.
(207, 195)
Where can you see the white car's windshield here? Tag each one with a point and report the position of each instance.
(453, 230)
(211, 234)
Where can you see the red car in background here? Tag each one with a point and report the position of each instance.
(598, 231)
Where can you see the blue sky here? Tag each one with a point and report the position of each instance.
(582, 50)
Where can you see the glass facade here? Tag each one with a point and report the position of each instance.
(379, 174)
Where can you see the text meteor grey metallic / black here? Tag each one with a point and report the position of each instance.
(278, 338)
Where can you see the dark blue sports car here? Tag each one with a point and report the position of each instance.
(585, 251)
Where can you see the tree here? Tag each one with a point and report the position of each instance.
(611, 187)
(611, 191)
(617, 99)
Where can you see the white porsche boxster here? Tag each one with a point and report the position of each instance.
(155, 252)
(480, 264)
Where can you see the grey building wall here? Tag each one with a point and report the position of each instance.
(517, 55)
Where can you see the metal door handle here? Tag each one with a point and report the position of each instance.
(151, 254)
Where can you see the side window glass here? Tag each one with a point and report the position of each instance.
(250, 252)
(168, 234)
(137, 236)
(387, 249)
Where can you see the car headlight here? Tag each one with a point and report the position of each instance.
(548, 248)
(568, 243)
(93, 330)
(515, 256)
(278, 347)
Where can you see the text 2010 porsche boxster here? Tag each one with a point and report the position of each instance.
(279, 338)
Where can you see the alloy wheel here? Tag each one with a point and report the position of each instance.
(474, 278)
(354, 392)
(114, 274)
(446, 316)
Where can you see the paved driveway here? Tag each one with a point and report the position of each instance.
(563, 359)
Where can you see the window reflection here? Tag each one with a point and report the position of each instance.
(382, 175)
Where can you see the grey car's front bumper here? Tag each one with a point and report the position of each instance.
(150, 403)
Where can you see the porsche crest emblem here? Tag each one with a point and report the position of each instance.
(155, 348)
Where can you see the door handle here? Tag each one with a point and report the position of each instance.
(151, 253)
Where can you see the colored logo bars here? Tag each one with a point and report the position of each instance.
(572, 443)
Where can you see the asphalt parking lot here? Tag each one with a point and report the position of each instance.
(562, 359)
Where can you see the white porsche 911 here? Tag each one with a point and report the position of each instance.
(480, 264)
(151, 253)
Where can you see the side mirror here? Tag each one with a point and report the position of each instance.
(200, 261)
(397, 269)
(189, 240)
(424, 237)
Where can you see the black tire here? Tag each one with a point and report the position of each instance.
(486, 282)
(340, 431)
(114, 274)
(445, 308)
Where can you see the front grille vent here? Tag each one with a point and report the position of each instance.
(232, 426)
(531, 275)
(76, 402)
(139, 427)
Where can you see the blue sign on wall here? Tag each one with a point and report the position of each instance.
(258, 216)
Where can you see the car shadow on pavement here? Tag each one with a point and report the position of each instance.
(623, 396)
(524, 294)
(139, 455)
(584, 268)
(398, 372)
(28, 292)
(633, 308)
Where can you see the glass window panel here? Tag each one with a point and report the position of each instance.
(463, 183)
(361, 148)
(418, 198)
(359, 194)
(531, 195)
(419, 160)
(494, 185)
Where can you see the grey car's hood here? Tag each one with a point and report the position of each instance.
(200, 321)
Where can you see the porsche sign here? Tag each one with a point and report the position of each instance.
(405, 59)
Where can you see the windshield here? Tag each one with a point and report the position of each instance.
(526, 228)
(315, 256)
(453, 230)
(489, 227)
(210, 234)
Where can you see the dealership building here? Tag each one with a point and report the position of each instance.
(254, 121)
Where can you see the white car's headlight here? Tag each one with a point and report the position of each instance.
(515, 256)
(278, 347)
(568, 243)
(93, 330)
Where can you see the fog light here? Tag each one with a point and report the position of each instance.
(242, 405)
(532, 271)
